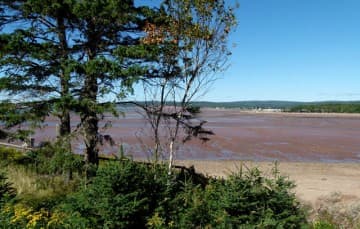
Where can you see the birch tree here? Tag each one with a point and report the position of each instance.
(195, 49)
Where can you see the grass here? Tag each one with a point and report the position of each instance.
(33, 189)
(30, 184)
(337, 211)
(23, 180)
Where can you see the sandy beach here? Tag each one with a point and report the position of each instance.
(314, 181)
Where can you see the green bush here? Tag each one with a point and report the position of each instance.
(11, 156)
(30, 212)
(122, 195)
(323, 224)
(53, 159)
(133, 195)
(128, 194)
(7, 194)
(6, 191)
(246, 199)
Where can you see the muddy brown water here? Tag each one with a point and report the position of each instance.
(242, 136)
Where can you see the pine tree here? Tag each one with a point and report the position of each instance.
(34, 61)
(64, 55)
(111, 58)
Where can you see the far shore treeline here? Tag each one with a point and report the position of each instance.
(286, 106)
(327, 108)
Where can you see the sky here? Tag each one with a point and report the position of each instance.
(295, 50)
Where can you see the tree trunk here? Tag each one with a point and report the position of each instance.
(65, 127)
(171, 156)
(156, 149)
(90, 124)
(90, 121)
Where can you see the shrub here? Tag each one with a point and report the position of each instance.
(122, 195)
(128, 194)
(323, 224)
(32, 208)
(247, 199)
(132, 195)
(253, 199)
(53, 159)
(12, 156)
(7, 192)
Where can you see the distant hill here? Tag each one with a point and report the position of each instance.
(290, 106)
(334, 107)
(238, 104)
(249, 104)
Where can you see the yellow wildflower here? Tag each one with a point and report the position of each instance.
(21, 212)
(36, 217)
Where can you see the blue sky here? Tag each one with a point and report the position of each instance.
(293, 50)
(298, 50)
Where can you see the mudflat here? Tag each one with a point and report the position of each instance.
(267, 136)
(239, 135)
(320, 152)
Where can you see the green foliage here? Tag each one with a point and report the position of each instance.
(37, 195)
(53, 159)
(10, 155)
(322, 224)
(66, 55)
(7, 192)
(127, 194)
(328, 108)
(249, 104)
(288, 106)
(255, 200)
(246, 199)
(122, 195)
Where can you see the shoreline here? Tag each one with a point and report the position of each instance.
(283, 113)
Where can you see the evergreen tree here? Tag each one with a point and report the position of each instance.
(63, 55)
(35, 58)
(110, 59)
